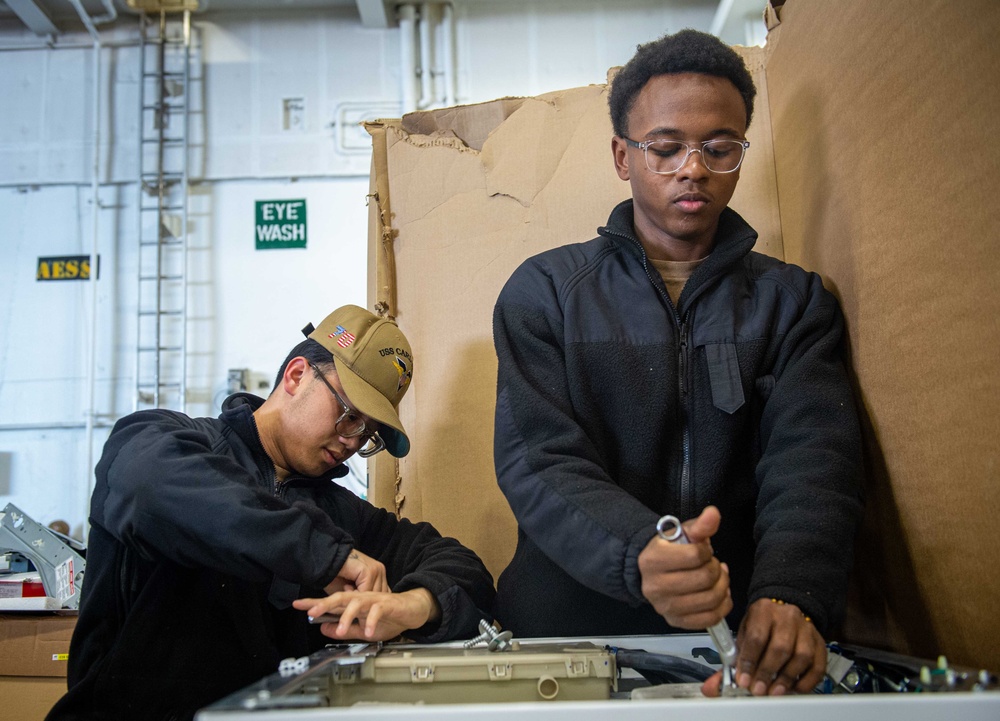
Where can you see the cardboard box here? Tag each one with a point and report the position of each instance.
(30, 698)
(874, 162)
(35, 644)
(34, 649)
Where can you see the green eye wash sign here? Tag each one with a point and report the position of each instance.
(281, 224)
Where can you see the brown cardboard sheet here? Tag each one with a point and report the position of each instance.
(881, 177)
(29, 698)
(35, 644)
(885, 118)
(34, 649)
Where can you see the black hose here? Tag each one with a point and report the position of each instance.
(660, 668)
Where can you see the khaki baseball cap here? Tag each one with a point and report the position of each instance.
(375, 366)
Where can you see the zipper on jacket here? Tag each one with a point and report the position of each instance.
(276, 486)
(683, 362)
(645, 267)
(682, 368)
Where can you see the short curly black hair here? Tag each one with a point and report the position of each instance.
(688, 51)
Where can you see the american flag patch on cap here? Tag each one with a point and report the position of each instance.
(345, 339)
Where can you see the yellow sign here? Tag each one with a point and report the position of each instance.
(65, 267)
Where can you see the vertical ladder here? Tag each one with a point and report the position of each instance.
(161, 303)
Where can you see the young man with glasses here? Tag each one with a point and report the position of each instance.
(214, 541)
(666, 368)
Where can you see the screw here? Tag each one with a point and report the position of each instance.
(487, 632)
(501, 642)
(495, 640)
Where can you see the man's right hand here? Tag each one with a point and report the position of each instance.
(372, 616)
(359, 573)
(686, 583)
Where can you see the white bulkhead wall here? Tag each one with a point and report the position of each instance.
(276, 98)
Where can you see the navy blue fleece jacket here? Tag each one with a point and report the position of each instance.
(196, 554)
(615, 407)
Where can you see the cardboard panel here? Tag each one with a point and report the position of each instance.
(885, 119)
(29, 698)
(35, 644)
(464, 195)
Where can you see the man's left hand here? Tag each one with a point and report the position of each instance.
(779, 651)
(372, 616)
(360, 572)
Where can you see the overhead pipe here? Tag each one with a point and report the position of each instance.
(52, 426)
(428, 76)
(88, 23)
(109, 16)
(426, 34)
(75, 45)
(408, 56)
(448, 54)
(92, 360)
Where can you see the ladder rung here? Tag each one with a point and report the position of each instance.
(161, 277)
(147, 208)
(158, 385)
(173, 206)
(170, 39)
(167, 74)
(149, 243)
(153, 348)
(159, 40)
(162, 312)
(165, 141)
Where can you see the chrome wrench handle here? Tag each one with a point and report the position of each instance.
(669, 528)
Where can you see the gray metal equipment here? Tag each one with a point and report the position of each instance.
(60, 567)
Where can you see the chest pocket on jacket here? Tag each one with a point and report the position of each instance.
(724, 375)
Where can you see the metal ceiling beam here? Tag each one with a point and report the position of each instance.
(377, 13)
(37, 20)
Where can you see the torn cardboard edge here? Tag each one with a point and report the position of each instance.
(772, 14)
(456, 126)
(464, 127)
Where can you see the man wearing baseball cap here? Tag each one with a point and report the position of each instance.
(214, 541)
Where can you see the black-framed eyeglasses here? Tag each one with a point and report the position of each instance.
(350, 424)
(666, 157)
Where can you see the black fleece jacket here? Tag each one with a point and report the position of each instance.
(196, 554)
(614, 407)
